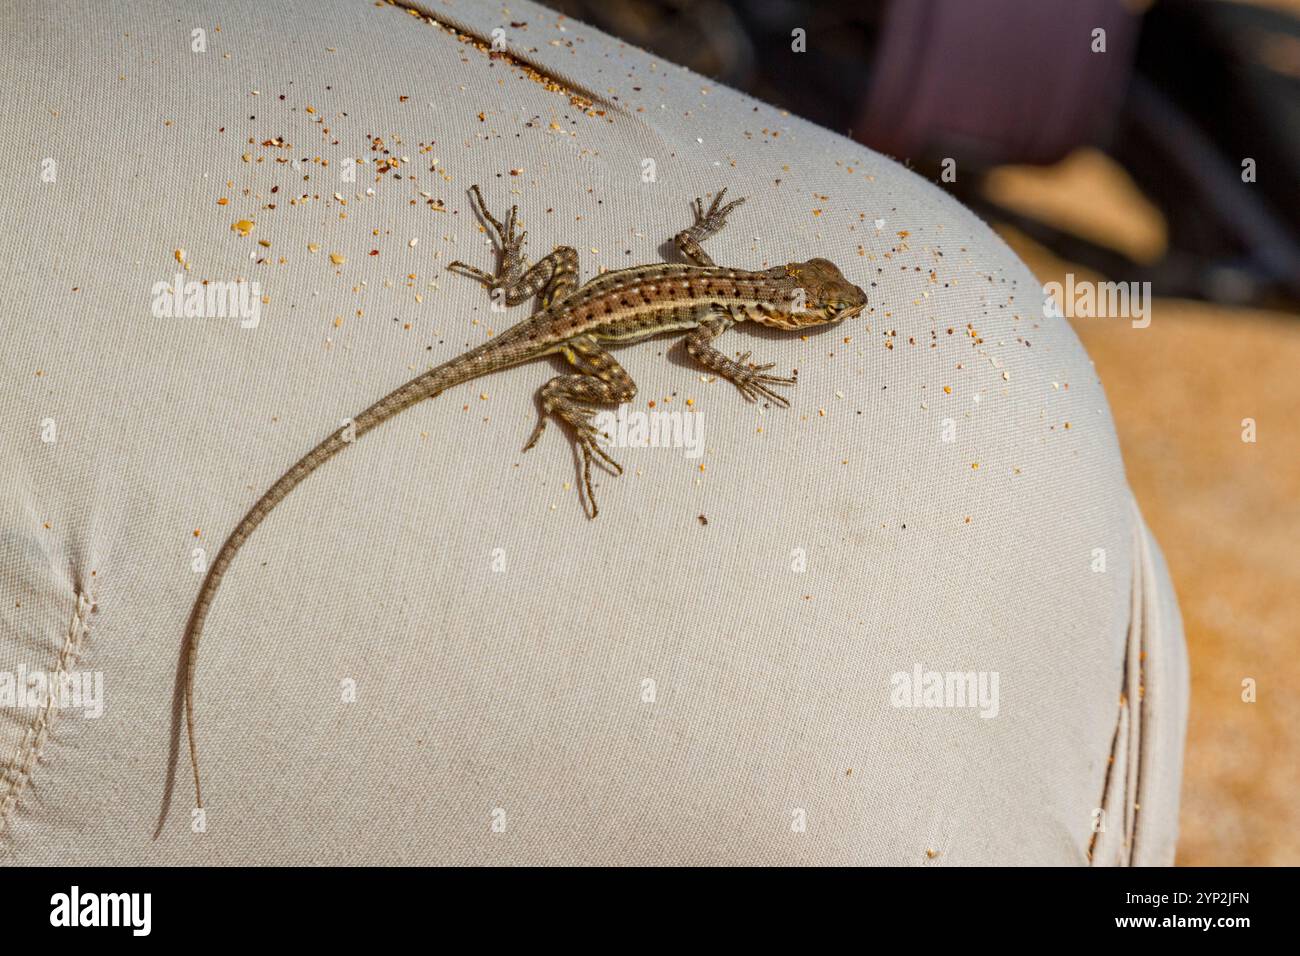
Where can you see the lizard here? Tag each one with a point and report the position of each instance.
(576, 321)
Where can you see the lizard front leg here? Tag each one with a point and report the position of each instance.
(752, 380)
(569, 397)
(554, 276)
(706, 224)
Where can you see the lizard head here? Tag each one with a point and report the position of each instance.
(819, 294)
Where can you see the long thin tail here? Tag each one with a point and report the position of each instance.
(427, 385)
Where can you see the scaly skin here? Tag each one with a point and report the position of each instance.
(627, 305)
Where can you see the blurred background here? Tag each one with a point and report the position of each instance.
(1171, 156)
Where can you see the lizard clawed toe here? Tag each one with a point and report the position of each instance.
(482, 209)
(715, 217)
(590, 447)
(589, 436)
(537, 433)
(743, 359)
(594, 445)
(478, 275)
(754, 383)
(757, 386)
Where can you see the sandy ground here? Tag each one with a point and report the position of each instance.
(1226, 512)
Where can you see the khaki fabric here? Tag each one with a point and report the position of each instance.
(705, 673)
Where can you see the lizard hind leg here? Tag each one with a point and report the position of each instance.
(601, 380)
